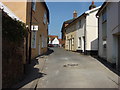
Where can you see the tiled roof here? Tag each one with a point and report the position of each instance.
(51, 37)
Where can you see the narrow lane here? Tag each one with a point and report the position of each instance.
(65, 69)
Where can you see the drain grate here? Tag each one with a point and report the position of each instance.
(70, 65)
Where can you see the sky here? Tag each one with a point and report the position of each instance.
(63, 11)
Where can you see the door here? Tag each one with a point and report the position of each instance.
(84, 47)
(69, 44)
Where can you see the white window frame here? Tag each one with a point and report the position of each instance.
(45, 18)
(33, 39)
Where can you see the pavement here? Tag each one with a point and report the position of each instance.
(65, 69)
(33, 74)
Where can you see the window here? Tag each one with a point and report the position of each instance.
(34, 4)
(104, 25)
(45, 18)
(33, 41)
(79, 42)
(72, 41)
(44, 41)
(104, 16)
(104, 44)
(80, 24)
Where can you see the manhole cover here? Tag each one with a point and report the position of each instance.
(70, 65)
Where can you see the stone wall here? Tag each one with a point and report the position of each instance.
(12, 63)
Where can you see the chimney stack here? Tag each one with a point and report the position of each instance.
(75, 14)
(92, 6)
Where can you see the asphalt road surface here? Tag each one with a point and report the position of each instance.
(65, 69)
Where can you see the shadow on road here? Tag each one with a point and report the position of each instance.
(31, 73)
(50, 51)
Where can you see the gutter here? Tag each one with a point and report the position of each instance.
(102, 8)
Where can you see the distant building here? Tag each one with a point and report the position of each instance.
(51, 38)
(54, 40)
(109, 32)
(82, 33)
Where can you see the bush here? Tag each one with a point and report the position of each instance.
(12, 29)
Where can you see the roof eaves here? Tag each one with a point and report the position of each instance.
(66, 22)
(92, 10)
(84, 14)
(9, 12)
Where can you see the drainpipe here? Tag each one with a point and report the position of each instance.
(85, 37)
(98, 36)
(30, 34)
(118, 62)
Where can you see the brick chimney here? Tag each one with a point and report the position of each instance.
(75, 14)
(92, 6)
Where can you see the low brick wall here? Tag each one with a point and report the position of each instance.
(12, 63)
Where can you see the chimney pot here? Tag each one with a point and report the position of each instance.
(92, 2)
(75, 14)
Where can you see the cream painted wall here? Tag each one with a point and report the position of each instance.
(71, 33)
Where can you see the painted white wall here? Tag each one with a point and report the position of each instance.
(55, 41)
(92, 31)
